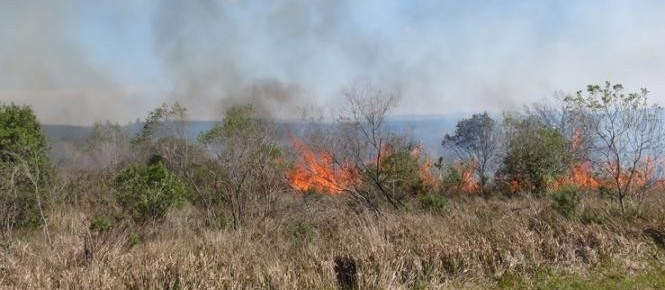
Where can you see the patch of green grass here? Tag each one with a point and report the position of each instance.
(600, 279)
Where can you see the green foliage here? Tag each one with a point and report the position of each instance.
(476, 141)
(100, 224)
(565, 201)
(162, 121)
(303, 232)
(399, 170)
(24, 167)
(148, 191)
(537, 155)
(134, 239)
(452, 178)
(238, 121)
(433, 202)
(248, 162)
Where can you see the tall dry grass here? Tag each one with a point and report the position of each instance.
(471, 243)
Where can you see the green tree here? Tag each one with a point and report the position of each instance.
(476, 142)
(147, 191)
(165, 133)
(248, 161)
(536, 155)
(24, 167)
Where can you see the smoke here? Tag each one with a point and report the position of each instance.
(442, 55)
(42, 64)
(281, 56)
(220, 54)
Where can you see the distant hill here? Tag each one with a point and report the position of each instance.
(426, 129)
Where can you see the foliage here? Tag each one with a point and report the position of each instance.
(536, 155)
(165, 133)
(476, 141)
(247, 163)
(24, 167)
(100, 224)
(146, 192)
(400, 167)
(433, 202)
(565, 200)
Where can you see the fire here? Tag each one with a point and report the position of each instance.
(580, 173)
(468, 181)
(425, 169)
(317, 171)
(644, 173)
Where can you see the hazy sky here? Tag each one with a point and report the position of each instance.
(81, 61)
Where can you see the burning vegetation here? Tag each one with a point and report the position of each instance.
(319, 171)
(232, 187)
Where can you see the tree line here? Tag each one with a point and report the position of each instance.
(601, 140)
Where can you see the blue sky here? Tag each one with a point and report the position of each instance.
(81, 61)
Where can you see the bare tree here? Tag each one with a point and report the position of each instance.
(364, 140)
(626, 132)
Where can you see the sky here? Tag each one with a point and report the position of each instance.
(77, 62)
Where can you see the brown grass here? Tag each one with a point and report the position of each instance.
(470, 244)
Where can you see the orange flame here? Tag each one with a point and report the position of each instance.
(317, 171)
(425, 169)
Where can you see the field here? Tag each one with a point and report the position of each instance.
(470, 243)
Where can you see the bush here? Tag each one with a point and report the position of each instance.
(433, 202)
(100, 224)
(537, 155)
(148, 191)
(565, 201)
(24, 167)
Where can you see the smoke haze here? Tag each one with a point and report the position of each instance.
(77, 61)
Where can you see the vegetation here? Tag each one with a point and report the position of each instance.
(346, 205)
(146, 192)
(24, 168)
(536, 156)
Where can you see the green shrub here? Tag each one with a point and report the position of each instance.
(24, 167)
(303, 232)
(433, 202)
(565, 201)
(536, 155)
(147, 192)
(134, 239)
(100, 224)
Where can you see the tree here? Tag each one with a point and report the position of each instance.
(476, 141)
(363, 143)
(107, 145)
(536, 155)
(24, 167)
(626, 132)
(147, 191)
(165, 133)
(248, 159)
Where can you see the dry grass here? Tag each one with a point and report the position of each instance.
(473, 243)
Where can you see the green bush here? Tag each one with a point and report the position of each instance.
(536, 156)
(24, 167)
(146, 192)
(565, 201)
(303, 232)
(433, 202)
(100, 224)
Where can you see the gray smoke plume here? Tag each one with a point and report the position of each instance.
(442, 56)
(42, 64)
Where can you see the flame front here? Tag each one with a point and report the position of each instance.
(318, 171)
